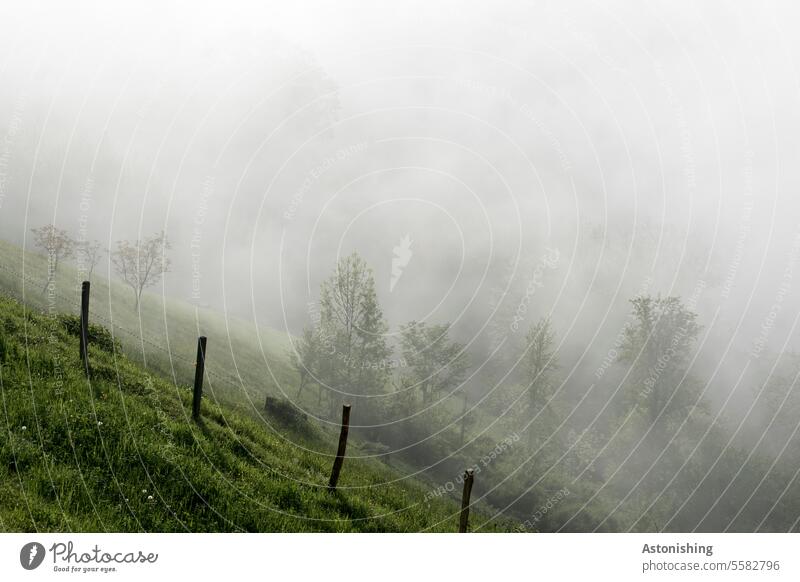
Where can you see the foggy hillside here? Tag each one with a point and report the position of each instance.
(492, 168)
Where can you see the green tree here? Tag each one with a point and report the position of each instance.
(539, 363)
(658, 347)
(346, 352)
(435, 363)
(304, 357)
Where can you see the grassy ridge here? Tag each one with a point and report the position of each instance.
(120, 453)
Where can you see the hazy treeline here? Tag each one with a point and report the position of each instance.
(639, 448)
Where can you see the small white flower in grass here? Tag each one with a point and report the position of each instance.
(99, 423)
(144, 490)
(24, 427)
(149, 497)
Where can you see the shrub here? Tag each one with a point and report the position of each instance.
(284, 412)
(98, 335)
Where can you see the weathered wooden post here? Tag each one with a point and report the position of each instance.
(200, 367)
(469, 477)
(337, 462)
(84, 348)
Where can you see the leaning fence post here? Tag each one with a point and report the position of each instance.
(198, 377)
(464, 518)
(337, 463)
(84, 348)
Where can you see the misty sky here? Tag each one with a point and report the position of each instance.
(650, 146)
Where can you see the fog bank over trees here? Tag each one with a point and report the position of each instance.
(586, 214)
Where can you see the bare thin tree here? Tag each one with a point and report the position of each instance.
(141, 263)
(89, 253)
(57, 244)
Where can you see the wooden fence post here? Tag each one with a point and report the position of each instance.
(469, 477)
(84, 348)
(200, 367)
(337, 463)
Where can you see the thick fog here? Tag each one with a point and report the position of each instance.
(539, 159)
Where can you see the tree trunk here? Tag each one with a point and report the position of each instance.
(51, 275)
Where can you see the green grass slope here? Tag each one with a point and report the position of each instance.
(120, 453)
(244, 363)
